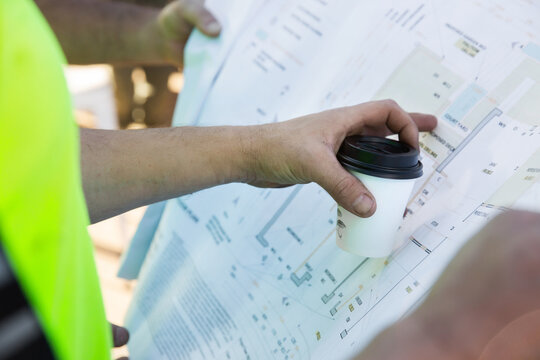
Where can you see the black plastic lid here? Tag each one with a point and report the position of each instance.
(380, 157)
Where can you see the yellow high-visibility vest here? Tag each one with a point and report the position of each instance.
(43, 216)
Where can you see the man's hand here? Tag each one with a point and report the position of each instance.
(96, 31)
(122, 170)
(486, 305)
(304, 150)
(175, 23)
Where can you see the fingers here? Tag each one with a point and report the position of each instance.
(179, 17)
(424, 122)
(120, 335)
(398, 121)
(347, 190)
(196, 14)
(378, 117)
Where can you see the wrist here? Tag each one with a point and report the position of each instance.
(248, 141)
(231, 152)
(255, 150)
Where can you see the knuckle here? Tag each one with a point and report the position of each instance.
(391, 103)
(189, 7)
(181, 4)
(343, 187)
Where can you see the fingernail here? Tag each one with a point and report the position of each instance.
(363, 205)
(213, 27)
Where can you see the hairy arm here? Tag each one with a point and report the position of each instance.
(122, 170)
(125, 169)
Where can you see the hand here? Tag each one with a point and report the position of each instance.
(486, 305)
(297, 151)
(171, 29)
(304, 150)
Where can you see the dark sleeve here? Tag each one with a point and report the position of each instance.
(21, 335)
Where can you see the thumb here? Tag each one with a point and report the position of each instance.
(346, 189)
(196, 14)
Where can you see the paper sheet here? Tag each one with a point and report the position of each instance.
(204, 59)
(134, 256)
(239, 272)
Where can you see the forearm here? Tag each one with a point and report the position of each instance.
(123, 170)
(92, 31)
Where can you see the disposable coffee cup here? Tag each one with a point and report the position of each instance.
(388, 169)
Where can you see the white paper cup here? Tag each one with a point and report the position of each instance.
(391, 180)
(375, 236)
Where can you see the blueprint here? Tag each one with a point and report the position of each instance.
(237, 272)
